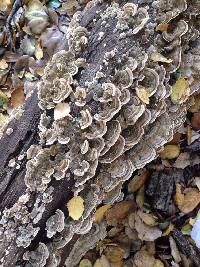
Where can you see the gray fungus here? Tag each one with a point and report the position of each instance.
(104, 131)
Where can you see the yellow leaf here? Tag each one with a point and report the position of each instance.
(180, 91)
(100, 212)
(38, 51)
(40, 71)
(76, 207)
(3, 64)
(170, 152)
(143, 94)
(97, 263)
(168, 230)
(157, 57)
(179, 197)
(192, 221)
(158, 263)
(85, 263)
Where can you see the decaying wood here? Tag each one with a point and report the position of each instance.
(25, 134)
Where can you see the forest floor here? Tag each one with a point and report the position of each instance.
(151, 226)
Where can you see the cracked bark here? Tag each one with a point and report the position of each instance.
(25, 133)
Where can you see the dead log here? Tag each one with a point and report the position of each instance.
(116, 64)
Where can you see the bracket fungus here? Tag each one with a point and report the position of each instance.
(96, 130)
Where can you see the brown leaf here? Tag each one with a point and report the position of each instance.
(138, 180)
(119, 211)
(146, 232)
(17, 97)
(179, 197)
(114, 253)
(196, 106)
(196, 121)
(100, 213)
(191, 200)
(147, 218)
(143, 259)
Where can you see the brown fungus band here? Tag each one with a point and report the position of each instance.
(109, 104)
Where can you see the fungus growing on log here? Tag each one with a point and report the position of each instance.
(96, 130)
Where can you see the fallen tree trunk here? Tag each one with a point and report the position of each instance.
(106, 108)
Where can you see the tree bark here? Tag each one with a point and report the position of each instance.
(25, 130)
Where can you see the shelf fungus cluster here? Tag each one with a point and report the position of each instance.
(109, 105)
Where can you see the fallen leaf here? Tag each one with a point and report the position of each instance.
(176, 139)
(174, 250)
(138, 180)
(147, 218)
(186, 229)
(168, 230)
(189, 134)
(61, 110)
(182, 161)
(119, 211)
(180, 91)
(170, 152)
(69, 7)
(17, 97)
(143, 259)
(100, 213)
(196, 106)
(158, 263)
(143, 94)
(102, 262)
(40, 71)
(195, 121)
(157, 57)
(85, 263)
(75, 207)
(162, 27)
(114, 254)
(5, 4)
(191, 200)
(3, 64)
(38, 51)
(179, 196)
(146, 232)
(97, 263)
(140, 197)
